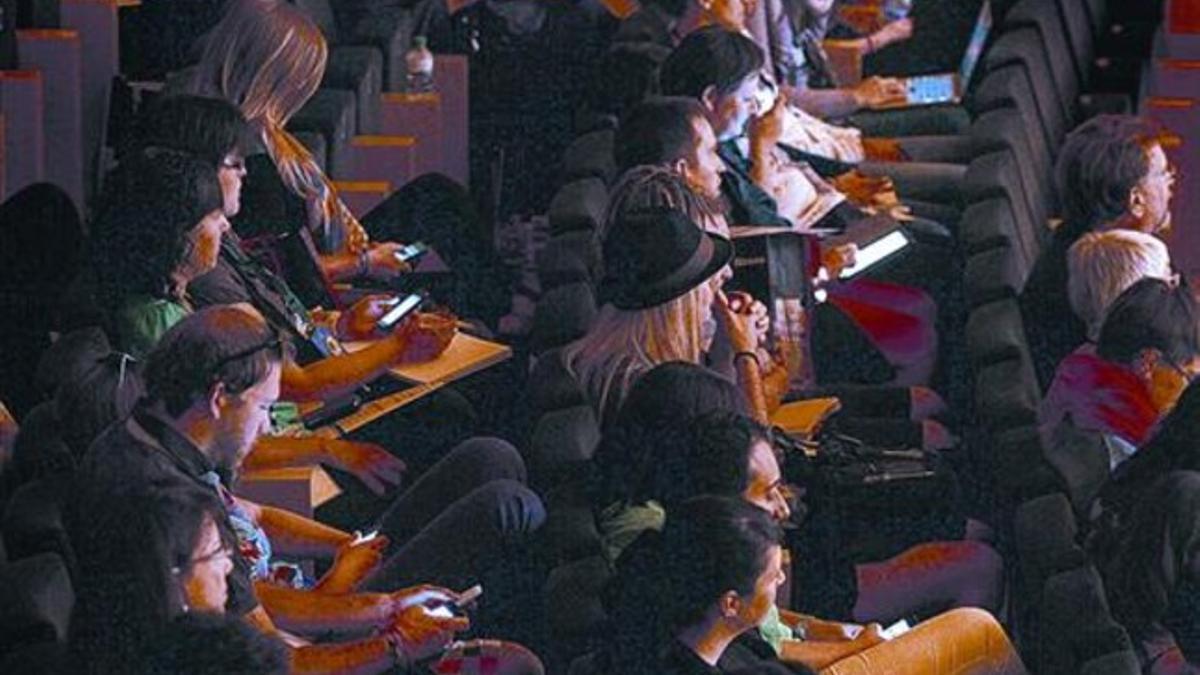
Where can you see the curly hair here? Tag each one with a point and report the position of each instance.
(142, 232)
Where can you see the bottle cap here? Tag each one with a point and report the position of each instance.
(420, 42)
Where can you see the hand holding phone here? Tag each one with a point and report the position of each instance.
(399, 311)
(410, 253)
(895, 630)
(455, 606)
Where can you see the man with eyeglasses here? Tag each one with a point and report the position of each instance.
(1112, 174)
(210, 385)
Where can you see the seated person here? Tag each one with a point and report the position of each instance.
(1112, 173)
(144, 270)
(711, 577)
(210, 384)
(172, 541)
(794, 31)
(1147, 352)
(697, 443)
(871, 413)
(1149, 565)
(1101, 265)
(673, 133)
(663, 301)
(268, 59)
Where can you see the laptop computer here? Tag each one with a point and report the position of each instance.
(950, 87)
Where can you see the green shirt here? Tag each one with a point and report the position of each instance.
(142, 320)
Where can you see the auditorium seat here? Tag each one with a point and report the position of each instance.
(590, 156)
(578, 206)
(358, 69)
(562, 315)
(35, 602)
(569, 258)
(33, 522)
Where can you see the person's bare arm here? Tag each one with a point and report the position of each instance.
(734, 313)
(294, 535)
(309, 613)
(817, 654)
(764, 135)
(371, 464)
(378, 262)
(362, 657)
(419, 338)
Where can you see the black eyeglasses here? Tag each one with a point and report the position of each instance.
(236, 164)
(276, 345)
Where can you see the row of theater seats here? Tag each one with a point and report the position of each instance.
(1041, 81)
(1051, 64)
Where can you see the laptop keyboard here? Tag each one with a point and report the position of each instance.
(930, 89)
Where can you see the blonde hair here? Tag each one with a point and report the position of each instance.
(267, 58)
(621, 345)
(1102, 265)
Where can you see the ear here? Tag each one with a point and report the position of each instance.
(729, 605)
(217, 399)
(1145, 362)
(679, 166)
(708, 98)
(1137, 202)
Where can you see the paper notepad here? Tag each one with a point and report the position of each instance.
(804, 418)
(466, 355)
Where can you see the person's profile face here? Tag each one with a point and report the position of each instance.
(205, 588)
(231, 172)
(731, 113)
(766, 589)
(766, 489)
(1156, 188)
(246, 416)
(703, 166)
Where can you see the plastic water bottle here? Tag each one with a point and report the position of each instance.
(895, 10)
(418, 62)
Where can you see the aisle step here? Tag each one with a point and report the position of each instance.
(390, 158)
(96, 23)
(22, 103)
(362, 196)
(420, 116)
(58, 54)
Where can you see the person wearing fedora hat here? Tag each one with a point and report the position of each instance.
(663, 299)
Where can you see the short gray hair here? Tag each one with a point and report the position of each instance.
(1101, 265)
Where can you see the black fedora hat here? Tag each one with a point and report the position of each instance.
(654, 255)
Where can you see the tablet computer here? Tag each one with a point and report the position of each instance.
(876, 252)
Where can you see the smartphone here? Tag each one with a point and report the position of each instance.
(895, 630)
(411, 252)
(401, 309)
(364, 537)
(452, 609)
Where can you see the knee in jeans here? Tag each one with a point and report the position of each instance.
(516, 508)
(498, 456)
